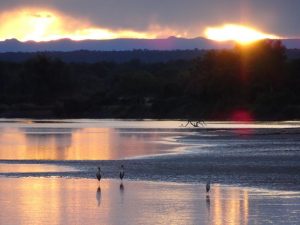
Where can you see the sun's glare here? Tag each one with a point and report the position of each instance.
(36, 24)
(239, 33)
(45, 25)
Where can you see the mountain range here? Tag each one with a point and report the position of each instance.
(171, 43)
(122, 50)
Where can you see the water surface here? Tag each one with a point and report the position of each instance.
(47, 172)
(118, 139)
(82, 201)
(81, 141)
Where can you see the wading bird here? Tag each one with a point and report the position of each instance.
(122, 172)
(207, 186)
(98, 174)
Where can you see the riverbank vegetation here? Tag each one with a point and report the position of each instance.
(247, 82)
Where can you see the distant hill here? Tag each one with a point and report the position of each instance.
(171, 43)
(291, 43)
(121, 50)
(146, 56)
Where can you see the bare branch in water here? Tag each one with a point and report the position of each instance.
(196, 123)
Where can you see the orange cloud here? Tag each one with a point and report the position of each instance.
(46, 24)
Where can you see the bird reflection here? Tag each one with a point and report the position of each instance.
(121, 188)
(98, 195)
(208, 202)
(208, 207)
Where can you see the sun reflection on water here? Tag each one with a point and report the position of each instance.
(77, 201)
(230, 206)
(79, 144)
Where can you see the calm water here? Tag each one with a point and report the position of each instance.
(248, 154)
(81, 201)
(46, 166)
(113, 139)
(85, 140)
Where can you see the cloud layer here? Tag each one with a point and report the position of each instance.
(41, 24)
(188, 17)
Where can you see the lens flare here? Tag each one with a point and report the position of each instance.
(242, 116)
(238, 33)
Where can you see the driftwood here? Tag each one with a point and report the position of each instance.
(196, 123)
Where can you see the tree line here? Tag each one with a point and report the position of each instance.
(257, 78)
(87, 56)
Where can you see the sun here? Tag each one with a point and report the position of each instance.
(28, 24)
(239, 33)
(45, 24)
(34, 24)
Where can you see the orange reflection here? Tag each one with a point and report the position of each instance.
(32, 168)
(230, 205)
(233, 209)
(217, 209)
(76, 201)
(79, 144)
(245, 206)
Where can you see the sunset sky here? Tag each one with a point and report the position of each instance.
(107, 19)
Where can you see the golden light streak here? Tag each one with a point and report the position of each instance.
(239, 33)
(78, 144)
(46, 24)
(230, 206)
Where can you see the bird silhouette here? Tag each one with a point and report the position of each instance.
(208, 186)
(122, 172)
(98, 174)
